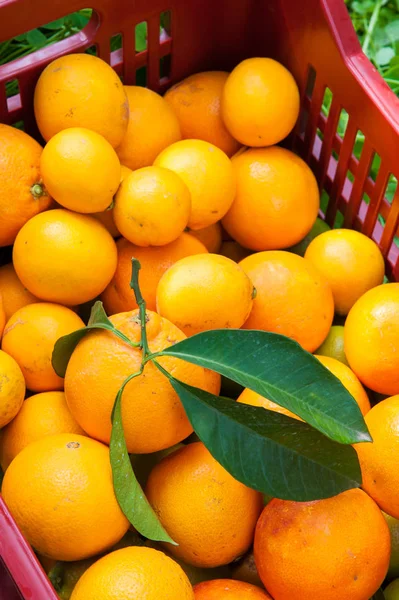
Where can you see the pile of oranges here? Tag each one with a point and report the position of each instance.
(225, 225)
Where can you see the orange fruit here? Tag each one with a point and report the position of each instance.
(378, 460)
(277, 199)
(391, 592)
(197, 103)
(59, 490)
(260, 102)
(248, 396)
(210, 236)
(152, 207)
(2, 316)
(371, 337)
(64, 257)
(234, 251)
(333, 345)
(393, 525)
(209, 176)
(205, 510)
(100, 364)
(40, 415)
(350, 261)
(292, 298)
(152, 127)
(245, 570)
(81, 170)
(135, 572)
(348, 380)
(203, 292)
(29, 337)
(106, 217)
(13, 293)
(326, 549)
(218, 589)
(80, 90)
(12, 388)
(23, 193)
(119, 297)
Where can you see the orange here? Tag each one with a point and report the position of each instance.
(152, 207)
(152, 127)
(378, 460)
(12, 388)
(292, 298)
(59, 490)
(64, 257)
(371, 338)
(391, 592)
(205, 510)
(106, 217)
(327, 549)
(14, 294)
(40, 415)
(209, 176)
(351, 263)
(348, 380)
(23, 193)
(153, 417)
(260, 102)
(2, 316)
(29, 337)
(203, 292)
(245, 570)
(277, 199)
(197, 103)
(248, 396)
(393, 525)
(210, 236)
(333, 345)
(218, 589)
(81, 170)
(80, 90)
(135, 572)
(234, 251)
(119, 297)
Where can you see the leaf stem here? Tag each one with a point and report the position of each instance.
(371, 26)
(134, 284)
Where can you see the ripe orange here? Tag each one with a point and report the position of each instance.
(203, 292)
(371, 338)
(135, 572)
(80, 90)
(210, 236)
(119, 297)
(2, 316)
(277, 199)
(13, 293)
(260, 102)
(152, 127)
(100, 364)
(81, 170)
(292, 298)
(348, 380)
(152, 207)
(59, 490)
(248, 396)
(64, 257)
(106, 217)
(20, 181)
(203, 508)
(333, 345)
(12, 388)
(209, 176)
(327, 549)
(378, 460)
(197, 103)
(351, 263)
(218, 589)
(40, 415)
(29, 337)
(234, 251)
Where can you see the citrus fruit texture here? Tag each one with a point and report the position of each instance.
(276, 202)
(248, 396)
(80, 90)
(210, 236)
(2, 316)
(393, 525)
(245, 570)
(106, 217)
(391, 592)
(14, 294)
(12, 388)
(234, 251)
(334, 345)
(59, 490)
(229, 589)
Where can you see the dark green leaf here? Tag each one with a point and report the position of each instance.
(36, 38)
(54, 25)
(128, 491)
(66, 344)
(277, 368)
(267, 451)
(78, 20)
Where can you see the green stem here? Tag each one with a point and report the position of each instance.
(371, 26)
(134, 284)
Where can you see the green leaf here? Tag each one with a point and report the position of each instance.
(54, 25)
(141, 36)
(66, 344)
(128, 491)
(277, 368)
(36, 38)
(267, 451)
(392, 30)
(384, 56)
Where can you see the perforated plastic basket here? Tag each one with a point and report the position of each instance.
(313, 38)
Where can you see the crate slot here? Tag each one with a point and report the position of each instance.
(93, 50)
(140, 37)
(141, 77)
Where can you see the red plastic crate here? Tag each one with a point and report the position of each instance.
(313, 38)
